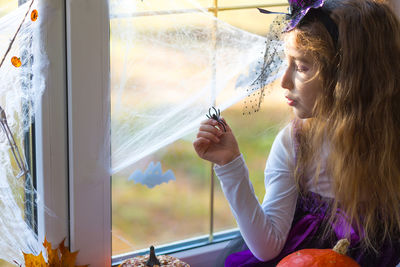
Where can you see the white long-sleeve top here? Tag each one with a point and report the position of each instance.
(265, 226)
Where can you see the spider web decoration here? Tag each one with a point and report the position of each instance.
(168, 68)
(22, 82)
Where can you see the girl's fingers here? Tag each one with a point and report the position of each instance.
(208, 135)
(200, 142)
(211, 129)
(209, 122)
(217, 124)
(201, 145)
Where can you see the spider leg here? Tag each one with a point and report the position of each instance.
(208, 116)
(222, 123)
(209, 113)
(216, 112)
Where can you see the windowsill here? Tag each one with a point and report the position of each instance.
(204, 256)
(196, 252)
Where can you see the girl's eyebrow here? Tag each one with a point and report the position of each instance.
(297, 57)
(300, 58)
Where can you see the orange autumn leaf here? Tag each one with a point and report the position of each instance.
(34, 261)
(34, 15)
(67, 258)
(52, 254)
(16, 62)
(59, 257)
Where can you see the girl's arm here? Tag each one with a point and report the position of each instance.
(264, 227)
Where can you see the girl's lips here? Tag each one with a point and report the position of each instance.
(290, 101)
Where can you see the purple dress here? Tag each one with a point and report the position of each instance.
(307, 231)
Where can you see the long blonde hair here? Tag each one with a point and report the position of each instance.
(358, 115)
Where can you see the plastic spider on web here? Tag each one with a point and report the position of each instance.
(216, 116)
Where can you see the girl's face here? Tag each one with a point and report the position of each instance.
(300, 79)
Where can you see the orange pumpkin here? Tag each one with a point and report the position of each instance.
(320, 257)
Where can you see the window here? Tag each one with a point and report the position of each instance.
(191, 210)
(51, 131)
(80, 128)
(7, 6)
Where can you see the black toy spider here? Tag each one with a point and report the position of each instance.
(216, 116)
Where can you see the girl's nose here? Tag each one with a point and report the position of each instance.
(287, 82)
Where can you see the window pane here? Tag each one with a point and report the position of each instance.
(223, 3)
(129, 7)
(168, 212)
(250, 20)
(7, 6)
(178, 209)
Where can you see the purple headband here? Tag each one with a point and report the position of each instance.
(300, 10)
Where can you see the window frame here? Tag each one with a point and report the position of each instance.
(88, 71)
(51, 131)
(72, 160)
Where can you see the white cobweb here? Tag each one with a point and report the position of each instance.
(20, 92)
(170, 61)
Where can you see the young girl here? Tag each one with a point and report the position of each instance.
(334, 172)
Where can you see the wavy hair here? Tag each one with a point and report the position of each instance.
(357, 114)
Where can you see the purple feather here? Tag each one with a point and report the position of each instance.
(306, 3)
(270, 12)
(297, 10)
(300, 8)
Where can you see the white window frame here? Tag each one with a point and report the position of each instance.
(73, 133)
(51, 132)
(88, 78)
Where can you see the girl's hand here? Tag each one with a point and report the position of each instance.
(215, 145)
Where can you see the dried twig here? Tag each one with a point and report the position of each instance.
(15, 35)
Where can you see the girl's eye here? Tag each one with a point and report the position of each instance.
(301, 68)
